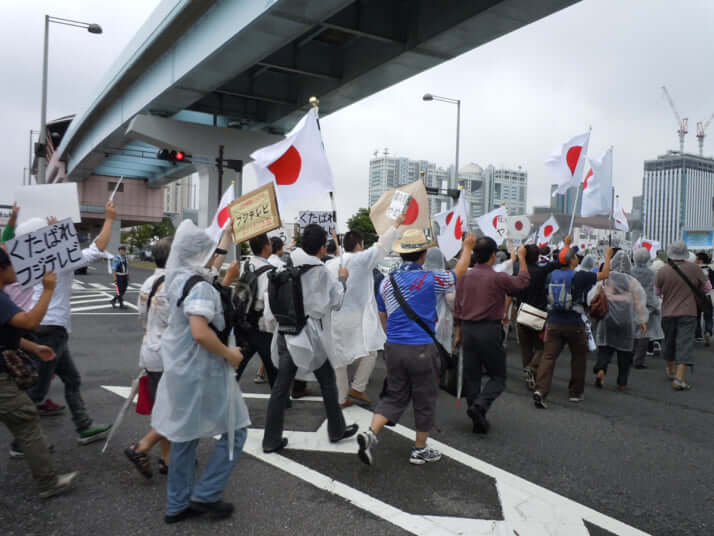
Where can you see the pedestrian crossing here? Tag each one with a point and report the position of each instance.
(95, 299)
(79, 286)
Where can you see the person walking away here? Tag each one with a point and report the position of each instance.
(54, 332)
(530, 340)
(309, 350)
(17, 411)
(479, 310)
(153, 308)
(646, 278)
(435, 262)
(674, 282)
(567, 291)
(259, 333)
(197, 396)
(120, 275)
(357, 333)
(704, 315)
(276, 257)
(627, 316)
(412, 358)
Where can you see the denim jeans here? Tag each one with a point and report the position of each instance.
(182, 472)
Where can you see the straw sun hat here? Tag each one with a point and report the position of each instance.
(413, 241)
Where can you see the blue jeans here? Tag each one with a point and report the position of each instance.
(182, 472)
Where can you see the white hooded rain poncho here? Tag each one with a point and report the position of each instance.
(627, 306)
(646, 277)
(356, 328)
(197, 394)
(435, 262)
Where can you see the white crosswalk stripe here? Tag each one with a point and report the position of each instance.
(92, 298)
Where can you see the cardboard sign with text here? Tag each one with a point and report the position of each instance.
(323, 218)
(43, 200)
(255, 213)
(416, 215)
(54, 248)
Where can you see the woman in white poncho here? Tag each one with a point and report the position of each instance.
(435, 262)
(197, 395)
(646, 278)
(627, 314)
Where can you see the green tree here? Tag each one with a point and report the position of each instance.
(137, 238)
(361, 222)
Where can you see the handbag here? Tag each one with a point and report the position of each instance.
(448, 363)
(144, 403)
(703, 303)
(531, 317)
(599, 306)
(20, 366)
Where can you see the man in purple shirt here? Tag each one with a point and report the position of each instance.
(478, 310)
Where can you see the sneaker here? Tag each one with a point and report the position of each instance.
(216, 510)
(708, 339)
(576, 399)
(367, 441)
(96, 433)
(63, 484)
(680, 385)
(259, 378)
(184, 514)
(49, 409)
(16, 452)
(425, 455)
(699, 339)
(539, 400)
(478, 416)
(529, 378)
(650, 354)
(657, 347)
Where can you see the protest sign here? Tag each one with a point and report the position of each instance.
(323, 218)
(399, 204)
(44, 200)
(54, 248)
(254, 213)
(417, 215)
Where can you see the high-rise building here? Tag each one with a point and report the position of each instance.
(507, 187)
(473, 182)
(563, 203)
(178, 196)
(678, 192)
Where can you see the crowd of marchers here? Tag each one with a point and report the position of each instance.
(325, 310)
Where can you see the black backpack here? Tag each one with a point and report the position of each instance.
(286, 300)
(245, 317)
(226, 302)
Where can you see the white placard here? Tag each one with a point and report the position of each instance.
(323, 218)
(54, 248)
(399, 203)
(45, 200)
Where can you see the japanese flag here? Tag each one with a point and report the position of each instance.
(597, 188)
(494, 224)
(452, 227)
(519, 227)
(416, 216)
(546, 231)
(619, 217)
(650, 245)
(298, 164)
(567, 162)
(222, 218)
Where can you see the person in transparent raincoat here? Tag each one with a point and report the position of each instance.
(627, 315)
(197, 396)
(435, 262)
(646, 277)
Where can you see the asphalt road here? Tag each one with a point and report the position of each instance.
(643, 457)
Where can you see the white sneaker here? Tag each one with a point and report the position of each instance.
(367, 441)
(63, 484)
(425, 455)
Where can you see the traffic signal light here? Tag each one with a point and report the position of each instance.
(173, 156)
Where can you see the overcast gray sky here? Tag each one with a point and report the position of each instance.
(599, 63)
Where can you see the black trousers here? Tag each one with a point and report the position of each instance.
(624, 362)
(280, 394)
(122, 284)
(483, 350)
(259, 341)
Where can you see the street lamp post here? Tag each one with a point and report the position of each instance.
(41, 151)
(429, 97)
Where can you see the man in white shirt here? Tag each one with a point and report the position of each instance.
(356, 329)
(259, 337)
(54, 332)
(276, 258)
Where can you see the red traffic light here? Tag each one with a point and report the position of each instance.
(179, 155)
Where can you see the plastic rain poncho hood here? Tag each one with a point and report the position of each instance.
(646, 278)
(435, 262)
(197, 395)
(627, 304)
(356, 328)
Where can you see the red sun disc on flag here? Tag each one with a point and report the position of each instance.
(495, 222)
(458, 231)
(518, 225)
(223, 216)
(412, 212)
(590, 174)
(647, 246)
(572, 157)
(287, 168)
(448, 217)
(548, 230)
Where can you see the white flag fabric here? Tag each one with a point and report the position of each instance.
(452, 226)
(222, 218)
(567, 163)
(494, 224)
(546, 231)
(519, 227)
(653, 246)
(298, 164)
(597, 188)
(619, 217)
(417, 215)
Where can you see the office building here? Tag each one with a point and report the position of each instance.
(178, 196)
(678, 192)
(507, 187)
(563, 203)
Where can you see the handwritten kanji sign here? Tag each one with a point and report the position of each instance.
(255, 213)
(324, 219)
(54, 248)
(399, 204)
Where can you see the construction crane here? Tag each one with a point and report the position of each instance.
(701, 132)
(681, 123)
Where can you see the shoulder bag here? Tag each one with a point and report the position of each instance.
(531, 317)
(703, 303)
